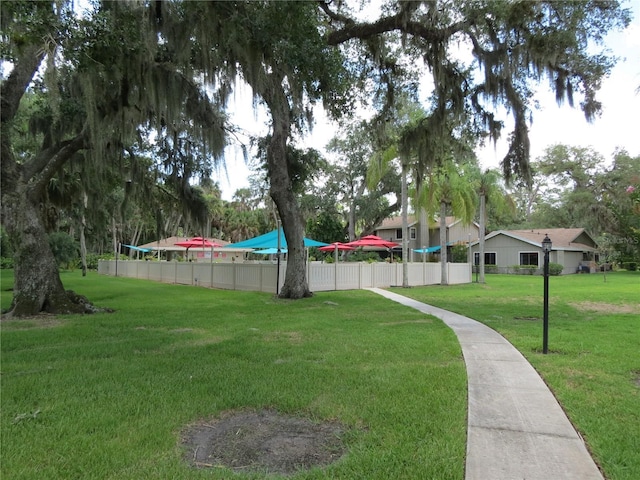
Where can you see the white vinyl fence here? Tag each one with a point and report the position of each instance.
(261, 276)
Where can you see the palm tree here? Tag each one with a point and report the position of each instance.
(427, 146)
(448, 188)
(489, 190)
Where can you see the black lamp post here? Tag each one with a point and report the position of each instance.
(546, 248)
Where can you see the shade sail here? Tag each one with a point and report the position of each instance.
(139, 249)
(430, 249)
(270, 240)
(270, 251)
(427, 250)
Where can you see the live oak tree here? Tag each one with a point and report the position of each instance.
(24, 180)
(365, 203)
(575, 185)
(108, 78)
(580, 189)
(278, 49)
(130, 68)
(512, 45)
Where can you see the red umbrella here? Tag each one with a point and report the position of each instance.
(373, 241)
(336, 245)
(197, 242)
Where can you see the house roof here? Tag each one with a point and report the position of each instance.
(390, 223)
(561, 238)
(396, 222)
(170, 244)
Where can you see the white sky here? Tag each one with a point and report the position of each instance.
(617, 127)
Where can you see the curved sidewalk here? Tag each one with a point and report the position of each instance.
(516, 428)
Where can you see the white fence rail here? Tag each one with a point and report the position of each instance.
(262, 276)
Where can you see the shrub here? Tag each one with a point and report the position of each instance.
(64, 248)
(94, 258)
(490, 268)
(362, 256)
(92, 261)
(522, 269)
(555, 269)
(6, 250)
(6, 263)
(459, 254)
(631, 266)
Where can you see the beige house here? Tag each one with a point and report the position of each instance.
(573, 248)
(419, 237)
(197, 254)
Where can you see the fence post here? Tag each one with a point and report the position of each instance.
(234, 275)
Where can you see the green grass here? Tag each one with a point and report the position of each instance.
(593, 365)
(107, 396)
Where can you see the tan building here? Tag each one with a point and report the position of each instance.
(167, 248)
(457, 232)
(573, 248)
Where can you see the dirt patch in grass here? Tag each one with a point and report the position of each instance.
(42, 320)
(263, 441)
(606, 307)
(291, 337)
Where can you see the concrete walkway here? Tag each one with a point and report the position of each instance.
(517, 430)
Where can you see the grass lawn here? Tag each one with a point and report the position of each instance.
(593, 365)
(107, 396)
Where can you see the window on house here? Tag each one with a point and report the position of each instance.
(489, 258)
(398, 233)
(529, 258)
(412, 233)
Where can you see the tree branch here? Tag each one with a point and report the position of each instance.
(397, 22)
(57, 157)
(14, 87)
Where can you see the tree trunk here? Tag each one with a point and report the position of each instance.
(405, 227)
(444, 278)
(424, 228)
(114, 237)
(352, 221)
(296, 285)
(83, 248)
(37, 285)
(483, 214)
(83, 241)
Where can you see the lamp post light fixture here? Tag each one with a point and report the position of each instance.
(546, 248)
